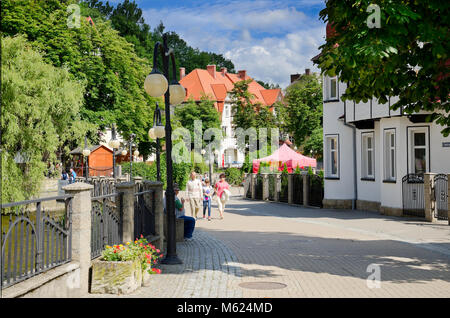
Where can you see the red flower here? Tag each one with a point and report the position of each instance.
(149, 261)
(157, 251)
(158, 271)
(142, 236)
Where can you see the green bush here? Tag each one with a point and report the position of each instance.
(148, 172)
(234, 176)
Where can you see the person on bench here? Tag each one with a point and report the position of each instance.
(189, 222)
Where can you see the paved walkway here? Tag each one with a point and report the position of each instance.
(309, 252)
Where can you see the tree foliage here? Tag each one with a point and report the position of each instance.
(406, 57)
(301, 114)
(40, 114)
(95, 55)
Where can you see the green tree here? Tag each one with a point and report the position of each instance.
(40, 114)
(203, 110)
(301, 113)
(406, 57)
(94, 54)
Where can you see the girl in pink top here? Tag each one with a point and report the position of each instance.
(219, 188)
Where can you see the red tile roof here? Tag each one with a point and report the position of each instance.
(200, 82)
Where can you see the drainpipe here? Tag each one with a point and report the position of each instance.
(355, 180)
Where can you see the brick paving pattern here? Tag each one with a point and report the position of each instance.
(315, 253)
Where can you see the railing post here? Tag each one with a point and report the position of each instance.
(253, 184)
(158, 209)
(127, 210)
(265, 192)
(305, 180)
(430, 198)
(290, 188)
(81, 230)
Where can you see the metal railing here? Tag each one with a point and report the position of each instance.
(297, 189)
(441, 196)
(259, 187)
(34, 240)
(413, 195)
(272, 187)
(106, 222)
(316, 190)
(283, 195)
(144, 213)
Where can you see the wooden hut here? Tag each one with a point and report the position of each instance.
(100, 161)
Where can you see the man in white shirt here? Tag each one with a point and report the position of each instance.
(194, 189)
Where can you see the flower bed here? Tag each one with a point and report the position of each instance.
(124, 268)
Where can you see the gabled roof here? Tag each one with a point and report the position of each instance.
(216, 85)
(79, 150)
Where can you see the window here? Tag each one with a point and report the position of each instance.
(368, 156)
(331, 88)
(389, 155)
(333, 156)
(419, 150)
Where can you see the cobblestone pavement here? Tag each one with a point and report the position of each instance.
(313, 252)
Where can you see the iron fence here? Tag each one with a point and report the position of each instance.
(297, 188)
(284, 188)
(413, 195)
(34, 240)
(106, 222)
(316, 190)
(144, 213)
(272, 187)
(259, 187)
(441, 196)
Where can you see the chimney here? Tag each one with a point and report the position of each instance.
(211, 70)
(307, 71)
(242, 74)
(182, 72)
(223, 70)
(294, 77)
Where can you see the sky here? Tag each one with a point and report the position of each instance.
(271, 39)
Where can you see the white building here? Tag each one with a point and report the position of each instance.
(217, 86)
(369, 149)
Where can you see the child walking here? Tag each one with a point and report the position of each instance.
(207, 193)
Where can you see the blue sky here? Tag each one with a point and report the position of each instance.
(271, 39)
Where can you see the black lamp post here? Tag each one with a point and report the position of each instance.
(132, 136)
(157, 132)
(86, 154)
(156, 85)
(114, 144)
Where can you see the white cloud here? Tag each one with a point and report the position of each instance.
(270, 39)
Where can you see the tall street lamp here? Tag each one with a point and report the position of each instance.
(86, 154)
(157, 132)
(114, 144)
(156, 85)
(132, 136)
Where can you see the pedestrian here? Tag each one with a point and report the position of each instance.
(72, 176)
(65, 175)
(222, 191)
(195, 194)
(189, 222)
(207, 194)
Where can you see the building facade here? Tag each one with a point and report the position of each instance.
(217, 86)
(369, 150)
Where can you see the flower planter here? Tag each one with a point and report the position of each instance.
(116, 277)
(146, 278)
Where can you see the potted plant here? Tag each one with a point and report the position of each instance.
(124, 268)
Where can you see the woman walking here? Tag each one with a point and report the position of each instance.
(195, 194)
(222, 190)
(207, 194)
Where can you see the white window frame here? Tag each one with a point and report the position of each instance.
(390, 154)
(413, 147)
(332, 152)
(368, 151)
(328, 85)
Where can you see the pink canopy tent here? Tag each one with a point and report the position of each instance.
(285, 155)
